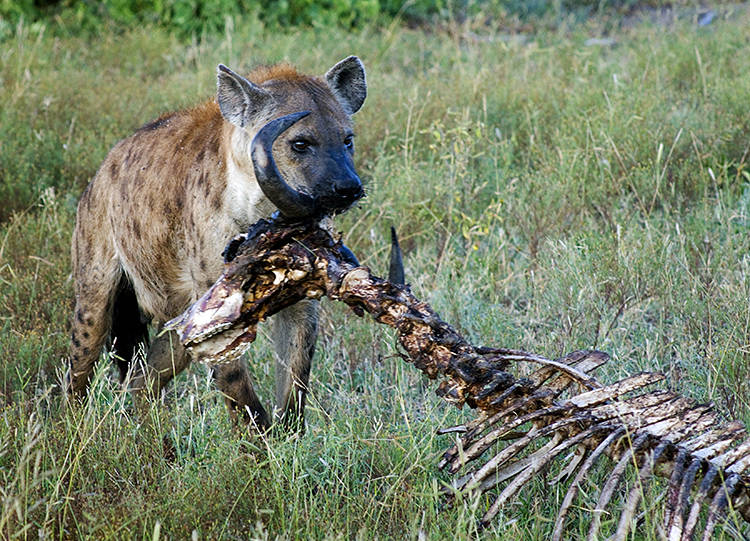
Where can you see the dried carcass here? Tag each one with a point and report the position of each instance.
(558, 412)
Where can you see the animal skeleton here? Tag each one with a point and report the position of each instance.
(657, 431)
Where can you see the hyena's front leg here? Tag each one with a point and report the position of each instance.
(166, 358)
(295, 330)
(233, 380)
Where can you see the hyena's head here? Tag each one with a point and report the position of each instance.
(295, 133)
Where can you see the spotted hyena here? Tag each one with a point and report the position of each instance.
(152, 223)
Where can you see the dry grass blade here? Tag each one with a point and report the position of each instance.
(307, 261)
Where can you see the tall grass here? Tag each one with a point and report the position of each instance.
(550, 195)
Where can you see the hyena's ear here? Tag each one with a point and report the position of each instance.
(240, 101)
(347, 80)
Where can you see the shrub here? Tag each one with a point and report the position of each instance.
(197, 17)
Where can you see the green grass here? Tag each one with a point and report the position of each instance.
(550, 196)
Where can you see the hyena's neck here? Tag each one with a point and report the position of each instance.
(244, 202)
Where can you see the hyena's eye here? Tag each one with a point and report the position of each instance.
(300, 145)
(349, 142)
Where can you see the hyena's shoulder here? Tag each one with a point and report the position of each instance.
(178, 151)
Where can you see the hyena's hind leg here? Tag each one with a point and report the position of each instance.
(96, 286)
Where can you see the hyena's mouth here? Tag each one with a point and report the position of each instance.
(336, 205)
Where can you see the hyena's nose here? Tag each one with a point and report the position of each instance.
(349, 188)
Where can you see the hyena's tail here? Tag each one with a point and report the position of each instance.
(129, 327)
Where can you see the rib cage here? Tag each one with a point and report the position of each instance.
(665, 432)
(653, 431)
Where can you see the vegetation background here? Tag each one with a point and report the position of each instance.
(564, 174)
